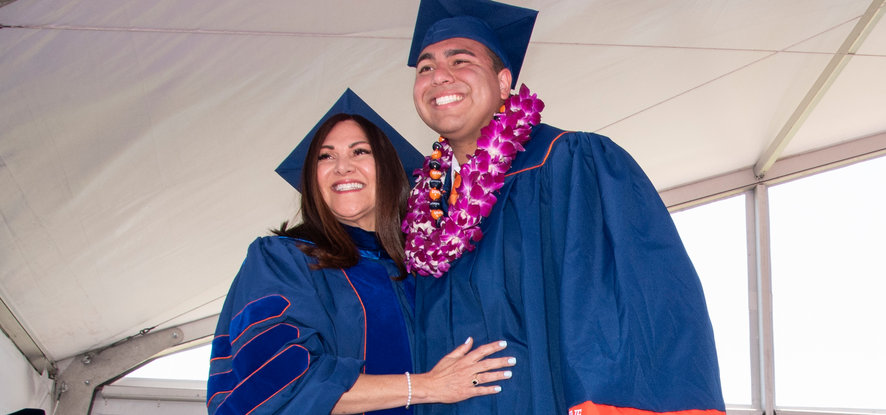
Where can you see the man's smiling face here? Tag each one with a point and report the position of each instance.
(456, 89)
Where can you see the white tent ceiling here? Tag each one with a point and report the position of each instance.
(138, 138)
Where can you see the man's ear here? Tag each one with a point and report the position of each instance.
(504, 83)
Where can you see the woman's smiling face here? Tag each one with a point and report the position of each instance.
(346, 175)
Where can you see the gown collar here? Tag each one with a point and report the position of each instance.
(367, 243)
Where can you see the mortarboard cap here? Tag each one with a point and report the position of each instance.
(349, 103)
(502, 28)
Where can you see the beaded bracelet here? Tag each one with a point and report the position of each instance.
(408, 386)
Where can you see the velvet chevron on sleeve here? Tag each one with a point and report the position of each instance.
(292, 340)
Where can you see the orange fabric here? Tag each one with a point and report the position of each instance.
(590, 408)
(543, 160)
(364, 312)
(453, 194)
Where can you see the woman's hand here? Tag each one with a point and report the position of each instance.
(463, 374)
(451, 380)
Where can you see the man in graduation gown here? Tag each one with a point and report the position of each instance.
(577, 264)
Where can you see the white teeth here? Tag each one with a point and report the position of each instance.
(448, 99)
(347, 186)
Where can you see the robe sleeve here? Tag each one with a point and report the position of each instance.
(632, 327)
(275, 349)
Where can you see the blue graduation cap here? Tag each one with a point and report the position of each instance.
(349, 103)
(502, 28)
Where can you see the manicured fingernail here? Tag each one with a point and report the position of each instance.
(468, 340)
(508, 374)
(498, 388)
(502, 344)
(512, 361)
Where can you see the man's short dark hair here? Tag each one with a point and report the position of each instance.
(497, 64)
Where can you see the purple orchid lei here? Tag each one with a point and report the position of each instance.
(432, 245)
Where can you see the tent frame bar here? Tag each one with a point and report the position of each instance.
(827, 77)
(718, 187)
(24, 342)
(77, 383)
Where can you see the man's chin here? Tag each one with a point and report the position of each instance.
(447, 127)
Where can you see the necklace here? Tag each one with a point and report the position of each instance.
(433, 241)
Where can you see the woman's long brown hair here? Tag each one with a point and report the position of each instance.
(332, 247)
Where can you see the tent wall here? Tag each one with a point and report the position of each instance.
(115, 406)
(20, 385)
(133, 396)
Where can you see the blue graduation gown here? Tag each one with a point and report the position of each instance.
(582, 271)
(292, 340)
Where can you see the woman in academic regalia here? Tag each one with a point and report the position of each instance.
(319, 318)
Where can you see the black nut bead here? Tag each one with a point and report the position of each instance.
(435, 205)
(434, 165)
(435, 183)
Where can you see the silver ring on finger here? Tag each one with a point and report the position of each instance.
(475, 381)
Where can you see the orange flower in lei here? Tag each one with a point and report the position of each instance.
(433, 240)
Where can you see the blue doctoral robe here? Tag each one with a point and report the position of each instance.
(292, 340)
(582, 271)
